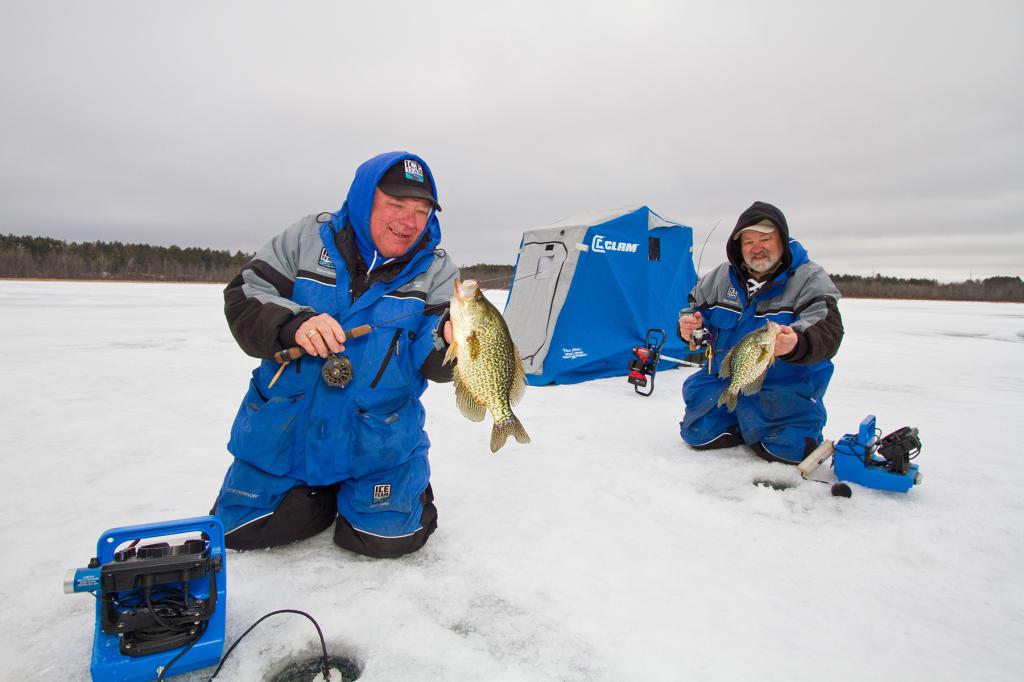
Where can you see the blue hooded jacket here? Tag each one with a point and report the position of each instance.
(301, 428)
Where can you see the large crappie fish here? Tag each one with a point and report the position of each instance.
(747, 364)
(489, 372)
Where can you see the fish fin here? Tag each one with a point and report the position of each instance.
(725, 369)
(473, 345)
(451, 353)
(509, 427)
(728, 398)
(518, 380)
(755, 385)
(519, 431)
(468, 406)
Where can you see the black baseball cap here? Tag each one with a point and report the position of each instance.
(408, 179)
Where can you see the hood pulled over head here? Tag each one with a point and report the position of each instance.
(758, 212)
(359, 201)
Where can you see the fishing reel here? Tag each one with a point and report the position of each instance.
(699, 339)
(337, 371)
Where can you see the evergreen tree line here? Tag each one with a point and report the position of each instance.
(45, 258)
(488, 276)
(853, 286)
(1004, 289)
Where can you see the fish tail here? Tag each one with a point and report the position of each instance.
(728, 398)
(505, 428)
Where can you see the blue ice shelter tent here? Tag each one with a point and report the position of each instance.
(587, 289)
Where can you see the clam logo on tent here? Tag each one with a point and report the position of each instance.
(599, 245)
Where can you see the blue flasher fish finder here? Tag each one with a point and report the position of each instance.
(161, 592)
(877, 462)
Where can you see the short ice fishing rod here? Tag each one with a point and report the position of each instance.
(337, 370)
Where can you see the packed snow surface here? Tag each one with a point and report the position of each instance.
(603, 550)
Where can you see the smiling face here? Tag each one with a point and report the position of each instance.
(396, 223)
(761, 252)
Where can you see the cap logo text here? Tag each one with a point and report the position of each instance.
(413, 171)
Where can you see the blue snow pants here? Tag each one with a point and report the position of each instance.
(784, 416)
(386, 514)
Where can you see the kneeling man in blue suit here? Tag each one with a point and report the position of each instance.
(768, 276)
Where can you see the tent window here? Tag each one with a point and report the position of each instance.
(653, 248)
(545, 266)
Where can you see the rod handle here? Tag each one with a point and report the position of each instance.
(285, 356)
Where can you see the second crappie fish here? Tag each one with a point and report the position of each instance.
(489, 373)
(747, 364)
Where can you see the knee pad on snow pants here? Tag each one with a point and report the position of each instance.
(729, 439)
(302, 513)
(381, 547)
(764, 453)
(305, 512)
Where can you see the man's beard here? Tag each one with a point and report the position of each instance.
(762, 265)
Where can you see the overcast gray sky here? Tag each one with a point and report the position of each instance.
(890, 133)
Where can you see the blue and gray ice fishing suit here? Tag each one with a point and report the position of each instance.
(308, 454)
(783, 421)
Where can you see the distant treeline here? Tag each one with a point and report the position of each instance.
(41, 257)
(853, 286)
(45, 258)
(488, 276)
(991, 289)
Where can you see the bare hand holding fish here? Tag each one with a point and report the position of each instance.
(785, 341)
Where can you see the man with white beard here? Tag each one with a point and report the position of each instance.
(768, 277)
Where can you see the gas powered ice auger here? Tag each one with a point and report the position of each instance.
(157, 604)
(643, 367)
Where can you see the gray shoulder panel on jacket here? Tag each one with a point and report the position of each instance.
(437, 284)
(812, 281)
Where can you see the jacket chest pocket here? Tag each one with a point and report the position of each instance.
(722, 319)
(390, 358)
(722, 322)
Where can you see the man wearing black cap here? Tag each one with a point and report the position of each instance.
(768, 277)
(314, 448)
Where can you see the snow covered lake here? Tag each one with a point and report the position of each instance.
(604, 550)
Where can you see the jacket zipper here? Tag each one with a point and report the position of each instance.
(392, 350)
